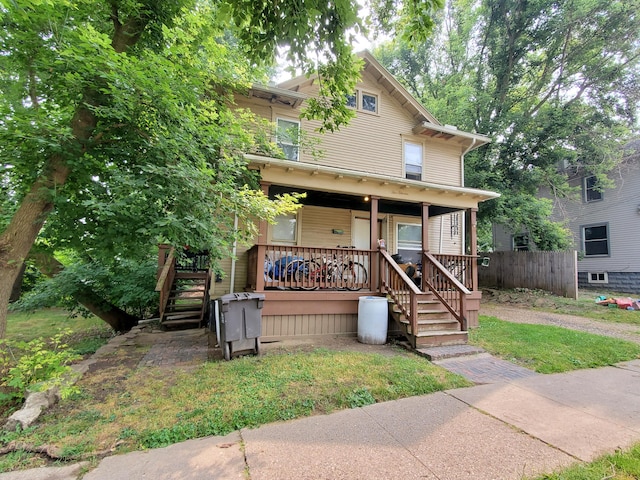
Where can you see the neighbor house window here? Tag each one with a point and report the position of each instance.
(370, 102)
(590, 192)
(409, 238)
(285, 230)
(595, 240)
(520, 242)
(413, 161)
(600, 277)
(288, 138)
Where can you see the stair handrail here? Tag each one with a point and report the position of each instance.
(400, 287)
(446, 287)
(165, 278)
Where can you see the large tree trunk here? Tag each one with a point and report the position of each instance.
(16, 241)
(117, 318)
(16, 291)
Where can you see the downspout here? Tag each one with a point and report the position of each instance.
(233, 254)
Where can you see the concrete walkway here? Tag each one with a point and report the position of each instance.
(502, 430)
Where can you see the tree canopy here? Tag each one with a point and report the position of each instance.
(553, 83)
(117, 123)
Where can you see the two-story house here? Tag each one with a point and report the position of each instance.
(393, 177)
(604, 223)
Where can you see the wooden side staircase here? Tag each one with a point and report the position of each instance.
(183, 284)
(432, 316)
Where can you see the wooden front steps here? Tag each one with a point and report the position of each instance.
(435, 325)
(187, 301)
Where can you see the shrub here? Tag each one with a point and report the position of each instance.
(34, 365)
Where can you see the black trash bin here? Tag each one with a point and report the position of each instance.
(236, 319)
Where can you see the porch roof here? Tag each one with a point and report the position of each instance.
(331, 179)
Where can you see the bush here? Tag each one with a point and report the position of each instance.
(34, 365)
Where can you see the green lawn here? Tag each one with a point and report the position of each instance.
(549, 349)
(621, 465)
(48, 322)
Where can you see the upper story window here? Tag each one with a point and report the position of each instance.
(363, 101)
(591, 194)
(520, 242)
(595, 240)
(288, 138)
(413, 160)
(370, 103)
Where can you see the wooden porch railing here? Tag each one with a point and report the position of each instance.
(166, 275)
(462, 267)
(287, 267)
(402, 290)
(445, 286)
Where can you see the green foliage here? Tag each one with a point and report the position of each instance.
(127, 284)
(360, 397)
(549, 82)
(35, 365)
(550, 349)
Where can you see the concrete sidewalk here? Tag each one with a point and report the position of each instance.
(503, 430)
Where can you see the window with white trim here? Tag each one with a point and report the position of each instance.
(595, 240)
(591, 194)
(413, 160)
(369, 102)
(409, 240)
(285, 230)
(363, 101)
(599, 277)
(288, 138)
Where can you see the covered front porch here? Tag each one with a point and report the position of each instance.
(343, 250)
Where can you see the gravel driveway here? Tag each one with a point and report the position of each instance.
(520, 315)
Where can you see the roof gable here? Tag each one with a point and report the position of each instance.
(425, 123)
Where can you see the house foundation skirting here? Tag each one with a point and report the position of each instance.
(623, 282)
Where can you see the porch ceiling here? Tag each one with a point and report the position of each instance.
(311, 177)
(357, 202)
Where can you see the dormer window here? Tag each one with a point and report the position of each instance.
(288, 138)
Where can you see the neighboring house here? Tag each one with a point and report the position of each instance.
(605, 225)
(395, 176)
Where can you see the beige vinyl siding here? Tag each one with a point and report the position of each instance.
(279, 326)
(318, 223)
(371, 143)
(442, 163)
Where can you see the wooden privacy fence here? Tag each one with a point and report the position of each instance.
(555, 272)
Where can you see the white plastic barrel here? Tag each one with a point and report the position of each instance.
(372, 320)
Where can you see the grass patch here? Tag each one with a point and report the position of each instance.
(617, 466)
(46, 323)
(149, 408)
(584, 306)
(550, 349)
